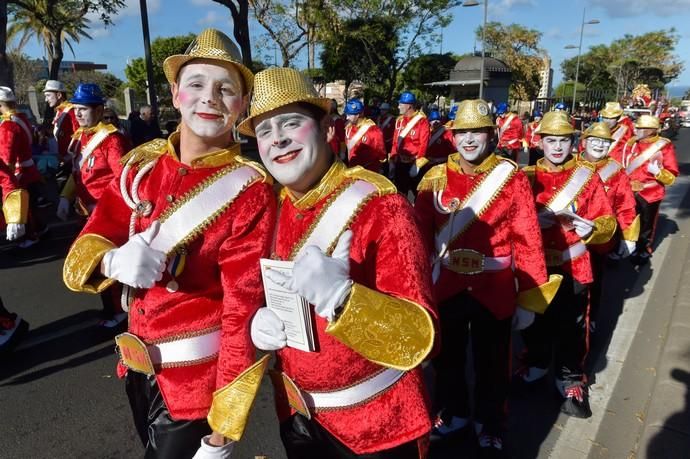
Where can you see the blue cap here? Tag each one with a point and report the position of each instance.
(538, 114)
(559, 106)
(354, 107)
(88, 94)
(434, 115)
(407, 98)
(501, 108)
(453, 111)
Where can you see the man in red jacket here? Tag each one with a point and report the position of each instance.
(65, 120)
(364, 140)
(183, 228)
(410, 141)
(621, 127)
(360, 394)
(510, 131)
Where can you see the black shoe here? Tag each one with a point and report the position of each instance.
(490, 446)
(450, 431)
(576, 402)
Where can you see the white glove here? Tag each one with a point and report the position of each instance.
(414, 170)
(135, 263)
(653, 168)
(582, 229)
(268, 331)
(522, 318)
(323, 281)
(208, 451)
(626, 248)
(15, 231)
(63, 209)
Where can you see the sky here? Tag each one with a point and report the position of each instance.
(558, 20)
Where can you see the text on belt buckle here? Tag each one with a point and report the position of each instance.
(466, 261)
(134, 354)
(553, 257)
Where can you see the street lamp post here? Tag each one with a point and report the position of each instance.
(579, 52)
(149, 63)
(481, 71)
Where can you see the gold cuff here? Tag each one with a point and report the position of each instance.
(604, 229)
(665, 177)
(421, 162)
(632, 232)
(537, 299)
(16, 206)
(386, 330)
(69, 190)
(231, 404)
(81, 269)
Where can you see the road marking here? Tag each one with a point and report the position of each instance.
(576, 439)
(35, 340)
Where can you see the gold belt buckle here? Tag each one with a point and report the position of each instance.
(553, 257)
(466, 261)
(134, 354)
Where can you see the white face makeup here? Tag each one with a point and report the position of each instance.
(51, 98)
(88, 116)
(472, 145)
(610, 122)
(556, 148)
(292, 146)
(596, 148)
(209, 98)
(643, 133)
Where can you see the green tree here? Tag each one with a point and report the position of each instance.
(519, 48)
(564, 91)
(426, 69)
(25, 70)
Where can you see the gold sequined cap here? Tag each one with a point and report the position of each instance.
(277, 87)
(209, 44)
(598, 130)
(555, 123)
(472, 114)
(612, 110)
(647, 122)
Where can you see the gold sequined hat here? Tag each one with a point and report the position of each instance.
(612, 110)
(209, 44)
(555, 123)
(599, 130)
(472, 114)
(277, 87)
(647, 122)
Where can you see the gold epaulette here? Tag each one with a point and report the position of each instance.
(508, 160)
(256, 166)
(587, 164)
(434, 180)
(383, 185)
(146, 152)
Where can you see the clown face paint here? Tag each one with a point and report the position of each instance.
(556, 148)
(88, 115)
(472, 145)
(209, 98)
(643, 133)
(610, 122)
(293, 147)
(596, 148)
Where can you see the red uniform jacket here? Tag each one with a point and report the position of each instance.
(507, 228)
(438, 150)
(591, 204)
(17, 169)
(512, 135)
(386, 242)
(220, 285)
(414, 144)
(625, 130)
(387, 125)
(64, 126)
(339, 136)
(369, 151)
(649, 187)
(531, 136)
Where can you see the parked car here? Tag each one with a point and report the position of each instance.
(684, 113)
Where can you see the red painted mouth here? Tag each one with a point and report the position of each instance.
(287, 157)
(208, 116)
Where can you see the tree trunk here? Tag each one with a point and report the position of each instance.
(311, 47)
(5, 68)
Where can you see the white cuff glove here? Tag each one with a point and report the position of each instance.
(653, 168)
(582, 229)
(208, 451)
(626, 248)
(323, 281)
(268, 331)
(414, 170)
(522, 318)
(135, 263)
(15, 231)
(63, 209)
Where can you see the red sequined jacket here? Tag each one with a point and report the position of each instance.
(369, 151)
(651, 188)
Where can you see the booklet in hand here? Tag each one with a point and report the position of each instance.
(567, 217)
(290, 307)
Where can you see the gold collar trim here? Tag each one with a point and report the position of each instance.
(328, 183)
(489, 163)
(572, 162)
(214, 159)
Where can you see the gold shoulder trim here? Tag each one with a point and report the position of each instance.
(146, 152)
(383, 185)
(80, 271)
(632, 232)
(434, 180)
(257, 167)
(537, 299)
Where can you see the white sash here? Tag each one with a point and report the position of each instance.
(202, 208)
(92, 144)
(408, 127)
(577, 181)
(617, 136)
(645, 155)
(505, 125)
(25, 127)
(386, 122)
(57, 122)
(437, 134)
(358, 136)
(474, 205)
(606, 172)
(338, 215)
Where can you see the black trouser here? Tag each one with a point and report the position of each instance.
(403, 182)
(534, 155)
(491, 355)
(35, 224)
(110, 299)
(649, 213)
(595, 288)
(562, 331)
(162, 436)
(306, 439)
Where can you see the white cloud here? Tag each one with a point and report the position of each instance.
(554, 33)
(131, 8)
(629, 8)
(211, 18)
(501, 7)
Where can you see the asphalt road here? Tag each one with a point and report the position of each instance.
(60, 398)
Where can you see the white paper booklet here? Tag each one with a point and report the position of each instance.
(570, 215)
(292, 309)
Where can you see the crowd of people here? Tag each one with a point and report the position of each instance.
(411, 236)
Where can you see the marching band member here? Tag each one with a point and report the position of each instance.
(364, 140)
(410, 141)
